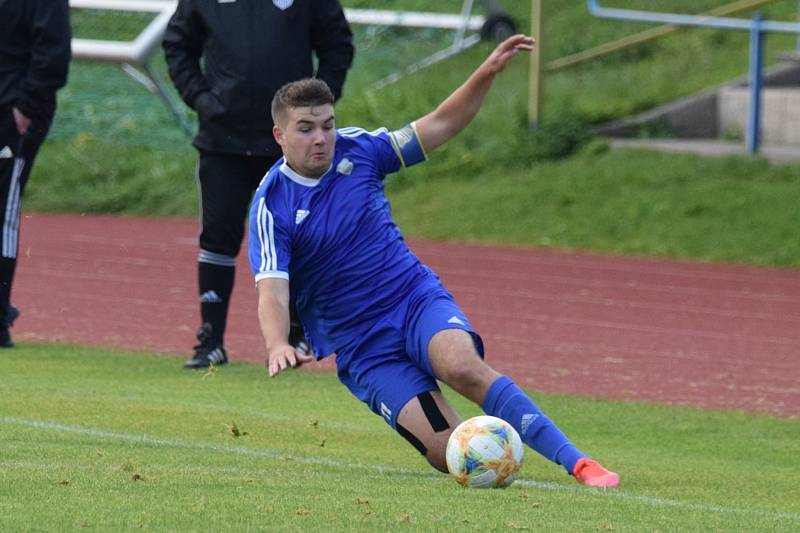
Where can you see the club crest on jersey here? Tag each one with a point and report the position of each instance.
(345, 167)
(300, 215)
(283, 5)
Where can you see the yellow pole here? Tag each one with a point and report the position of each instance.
(535, 72)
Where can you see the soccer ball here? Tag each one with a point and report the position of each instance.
(484, 452)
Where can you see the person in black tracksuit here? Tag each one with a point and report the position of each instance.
(35, 53)
(227, 58)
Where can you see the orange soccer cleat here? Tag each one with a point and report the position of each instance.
(591, 473)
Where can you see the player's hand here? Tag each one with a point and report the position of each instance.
(284, 356)
(506, 50)
(22, 122)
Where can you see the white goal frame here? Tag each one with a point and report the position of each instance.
(135, 56)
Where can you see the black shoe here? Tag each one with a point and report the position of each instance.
(6, 321)
(208, 352)
(5, 338)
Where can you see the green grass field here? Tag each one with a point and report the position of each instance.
(107, 441)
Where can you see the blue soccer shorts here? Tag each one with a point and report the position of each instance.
(389, 365)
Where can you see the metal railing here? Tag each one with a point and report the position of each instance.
(757, 27)
(646, 36)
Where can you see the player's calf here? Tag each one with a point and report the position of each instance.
(426, 422)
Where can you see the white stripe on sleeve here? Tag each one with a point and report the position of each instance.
(266, 236)
(261, 235)
(273, 254)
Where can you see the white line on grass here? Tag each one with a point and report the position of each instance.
(150, 468)
(271, 454)
(660, 502)
(144, 439)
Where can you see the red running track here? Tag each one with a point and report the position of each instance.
(681, 333)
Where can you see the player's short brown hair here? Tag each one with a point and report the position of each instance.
(308, 92)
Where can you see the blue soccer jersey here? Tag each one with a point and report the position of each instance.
(333, 238)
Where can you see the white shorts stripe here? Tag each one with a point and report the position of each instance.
(11, 222)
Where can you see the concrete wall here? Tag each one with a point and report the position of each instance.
(780, 114)
(700, 115)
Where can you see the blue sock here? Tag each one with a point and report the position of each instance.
(507, 401)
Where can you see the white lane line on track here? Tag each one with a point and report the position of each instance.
(384, 470)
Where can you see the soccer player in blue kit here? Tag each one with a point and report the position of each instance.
(321, 230)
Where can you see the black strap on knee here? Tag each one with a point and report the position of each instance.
(415, 442)
(432, 412)
(435, 418)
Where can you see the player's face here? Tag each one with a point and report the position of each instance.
(307, 136)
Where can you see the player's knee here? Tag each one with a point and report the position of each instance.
(460, 377)
(436, 457)
(455, 358)
(470, 381)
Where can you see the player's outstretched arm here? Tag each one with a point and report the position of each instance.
(273, 317)
(458, 109)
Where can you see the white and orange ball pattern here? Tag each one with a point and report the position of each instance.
(484, 452)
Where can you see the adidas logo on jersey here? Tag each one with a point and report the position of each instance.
(6, 153)
(455, 320)
(301, 215)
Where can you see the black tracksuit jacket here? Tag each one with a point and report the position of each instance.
(249, 49)
(34, 55)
